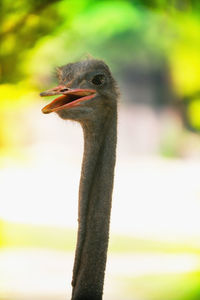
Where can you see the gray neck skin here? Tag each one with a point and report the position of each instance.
(95, 196)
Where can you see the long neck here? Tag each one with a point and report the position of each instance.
(95, 195)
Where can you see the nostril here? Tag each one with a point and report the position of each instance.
(64, 90)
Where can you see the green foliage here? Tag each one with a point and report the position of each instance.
(165, 286)
(64, 239)
(23, 23)
(38, 35)
(194, 113)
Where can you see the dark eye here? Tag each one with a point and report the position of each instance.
(98, 79)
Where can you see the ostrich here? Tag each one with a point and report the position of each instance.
(89, 95)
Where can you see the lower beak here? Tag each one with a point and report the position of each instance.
(69, 98)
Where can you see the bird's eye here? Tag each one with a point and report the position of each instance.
(98, 79)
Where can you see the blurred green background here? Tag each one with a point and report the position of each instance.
(153, 49)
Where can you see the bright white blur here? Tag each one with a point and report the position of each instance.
(154, 198)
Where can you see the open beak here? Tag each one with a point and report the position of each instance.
(69, 98)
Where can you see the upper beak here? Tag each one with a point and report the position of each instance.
(70, 97)
(61, 89)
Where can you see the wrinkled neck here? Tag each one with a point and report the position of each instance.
(95, 196)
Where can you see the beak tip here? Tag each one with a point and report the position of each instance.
(45, 111)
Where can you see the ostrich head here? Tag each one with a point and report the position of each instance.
(87, 90)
